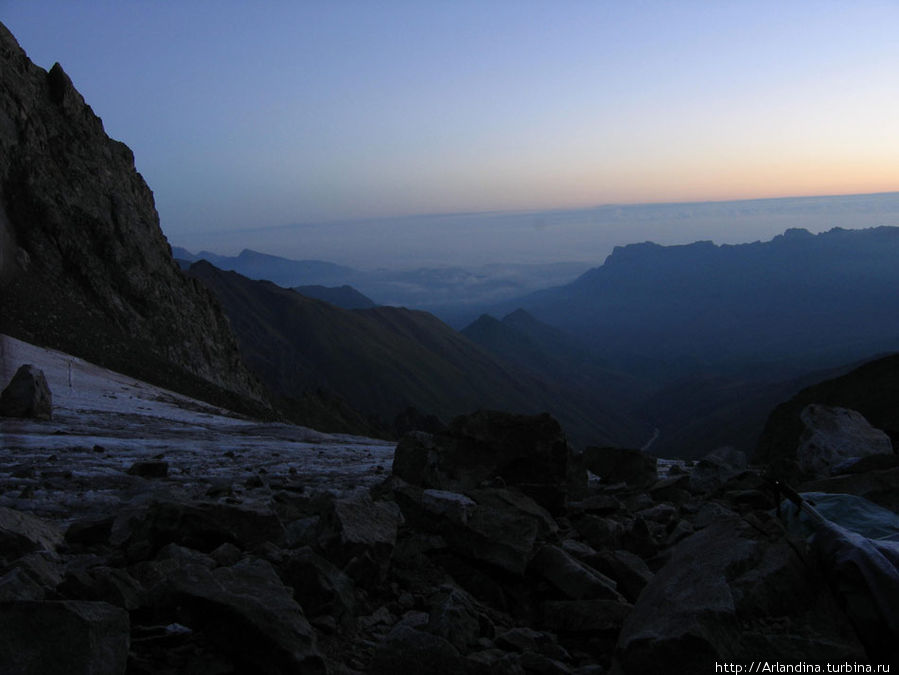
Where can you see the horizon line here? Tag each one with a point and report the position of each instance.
(534, 211)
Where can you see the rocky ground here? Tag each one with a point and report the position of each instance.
(143, 532)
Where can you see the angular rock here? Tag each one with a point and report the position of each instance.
(673, 489)
(493, 525)
(833, 436)
(107, 584)
(585, 616)
(713, 470)
(622, 465)
(630, 573)
(456, 617)
(89, 638)
(141, 531)
(21, 533)
(527, 452)
(406, 650)
(319, 586)
(27, 395)
(731, 594)
(247, 612)
(575, 579)
(358, 535)
(600, 532)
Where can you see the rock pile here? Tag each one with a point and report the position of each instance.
(462, 561)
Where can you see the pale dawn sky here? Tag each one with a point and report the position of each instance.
(258, 115)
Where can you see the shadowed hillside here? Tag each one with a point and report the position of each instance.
(383, 360)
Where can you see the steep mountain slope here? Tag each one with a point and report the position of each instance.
(385, 359)
(85, 267)
(346, 297)
(806, 300)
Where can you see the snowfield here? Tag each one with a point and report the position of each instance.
(104, 421)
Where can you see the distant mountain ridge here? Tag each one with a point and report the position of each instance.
(449, 292)
(386, 359)
(345, 297)
(814, 300)
(282, 271)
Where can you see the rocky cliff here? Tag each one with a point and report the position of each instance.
(84, 265)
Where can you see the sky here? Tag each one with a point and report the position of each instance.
(361, 120)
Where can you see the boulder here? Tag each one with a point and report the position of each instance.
(107, 584)
(456, 616)
(832, 436)
(27, 395)
(82, 638)
(713, 470)
(22, 533)
(575, 579)
(630, 573)
(144, 529)
(585, 616)
(528, 452)
(319, 586)
(496, 526)
(245, 611)
(358, 535)
(622, 465)
(731, 593)
(407, 650)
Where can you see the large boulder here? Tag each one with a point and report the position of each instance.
(22, 533)
(713, 470)
(244, 610)
(320, 587)
(575, 579)
(833, 436)
(496, 526)
(27, 395)
(617, 465)
(81, 638)
(358, 535)
(142, 530)
(528, 452)
(731, 594)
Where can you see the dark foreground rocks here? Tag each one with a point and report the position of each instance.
(461, 567)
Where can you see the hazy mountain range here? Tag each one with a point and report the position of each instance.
(697, 342)
(450, 292)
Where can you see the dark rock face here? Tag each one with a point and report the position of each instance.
(92, 272)
(717, 598)
(63, 637)
(526, 452)
(247, 610)
(27, 395)
(22, 533)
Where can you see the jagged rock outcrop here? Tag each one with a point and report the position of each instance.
(84, 265)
